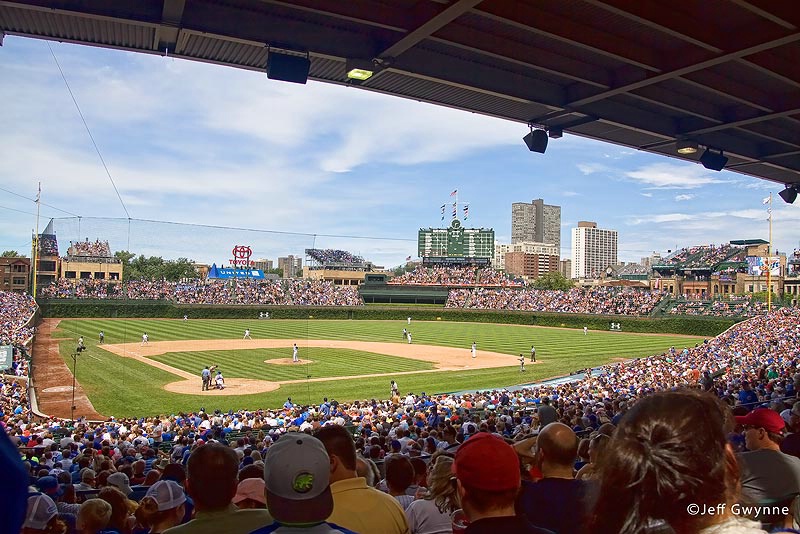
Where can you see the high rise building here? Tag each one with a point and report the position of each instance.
(593, 250)
(291, 265)
(536, 222)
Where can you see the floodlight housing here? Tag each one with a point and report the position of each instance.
(714, 161)
(536, 141)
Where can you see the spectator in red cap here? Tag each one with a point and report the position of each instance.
(487, 480)
(763, 433)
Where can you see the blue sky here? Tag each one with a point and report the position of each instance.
(292, 165)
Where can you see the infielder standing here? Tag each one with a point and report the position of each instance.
(145, 339)
(474, 350)
(247, 334)
(295, 359)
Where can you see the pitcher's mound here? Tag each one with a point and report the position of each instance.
(287, 361)
(233, 386)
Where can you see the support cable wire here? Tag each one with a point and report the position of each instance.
(88, 131)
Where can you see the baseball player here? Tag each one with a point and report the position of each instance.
(474, 350)
(295, 359)
(247, 334)
(521, 363)
(533, 354)
(145, 339)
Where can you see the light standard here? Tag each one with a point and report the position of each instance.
(74, 371)
(80, 348)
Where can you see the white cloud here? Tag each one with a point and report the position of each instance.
(673, 176)
(682, 198)
(648, 195)
(591, 168)
(570, 193)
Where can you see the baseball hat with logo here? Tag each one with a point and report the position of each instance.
(41, 509)
(769, 420)
(168, 494)
(486, 461)
(49, 485)
(297, 478)
(250, 488)
(120, 481)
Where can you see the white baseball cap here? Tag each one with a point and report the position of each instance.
(168, 494)
(41, 509)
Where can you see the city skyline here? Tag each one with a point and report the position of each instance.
(289, 167)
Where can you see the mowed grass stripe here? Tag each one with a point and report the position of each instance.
(326, 362)
(123, 387)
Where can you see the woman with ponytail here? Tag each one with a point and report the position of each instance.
(668, 463)
(161, 508)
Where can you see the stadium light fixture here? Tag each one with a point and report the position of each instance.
(288, 66)
(789, 195)
(536, 140)
(686, 146)
(555, 133)
(360, 69)
(714, 161)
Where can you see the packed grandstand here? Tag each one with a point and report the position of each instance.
(751, 369)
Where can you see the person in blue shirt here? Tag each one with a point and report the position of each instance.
(747, 397)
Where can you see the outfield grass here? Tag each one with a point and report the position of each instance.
(124, 387)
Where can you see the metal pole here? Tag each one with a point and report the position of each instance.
(74, 372)
(769, 258)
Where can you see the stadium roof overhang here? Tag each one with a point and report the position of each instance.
(723, 74)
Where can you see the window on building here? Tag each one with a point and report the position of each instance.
(100, 276)
(70, 274)
(86, 275)
(18, 281)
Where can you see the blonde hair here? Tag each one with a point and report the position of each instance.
(440, 489)
(94, 515)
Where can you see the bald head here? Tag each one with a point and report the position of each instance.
(558, 445)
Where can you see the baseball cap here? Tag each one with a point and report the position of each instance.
(41, 509)
(121, 482)
(486, 461)
(250, 488)
(50, 486)
(168, 494)
(297, 478)
(764, 418)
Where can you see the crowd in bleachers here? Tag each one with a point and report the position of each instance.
(735, 306)
(456, 276)
(603, 300)
(329, 256)
(212, 291)
(87, 248)
(16, 310)
(705, 255)
(623, 420)
(48, 245)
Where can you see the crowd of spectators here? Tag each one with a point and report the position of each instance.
(602, 300)
(735, 306)
(456, 276)
(16, 311)
(618, 426)
(97, 248)
(705, 256)
(48, 245)
(329, 256)
(212, 291)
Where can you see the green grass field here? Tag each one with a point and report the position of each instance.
(125, 387)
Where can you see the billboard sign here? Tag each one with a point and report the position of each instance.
(6, 357)
(759, 266)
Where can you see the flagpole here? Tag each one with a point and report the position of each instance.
(36, 241)
(769, 258)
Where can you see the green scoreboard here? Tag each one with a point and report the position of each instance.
(456, 245)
